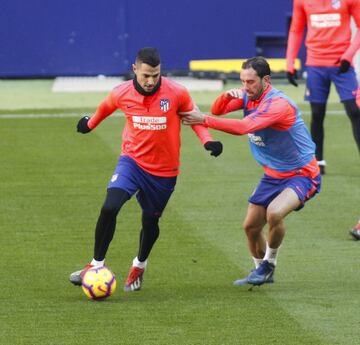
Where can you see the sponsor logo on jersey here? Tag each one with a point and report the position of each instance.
(164, 105)
(150, 123)
(336, 4)
(256, 139)
(327, 20)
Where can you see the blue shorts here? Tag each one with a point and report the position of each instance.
(269, 188)
(319, 80)
(153, 192)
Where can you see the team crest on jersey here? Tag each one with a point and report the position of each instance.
(336, 4)
(164, 105)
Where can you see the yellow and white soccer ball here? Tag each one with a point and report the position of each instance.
(98, 283)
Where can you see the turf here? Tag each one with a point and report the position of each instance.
(53, 183)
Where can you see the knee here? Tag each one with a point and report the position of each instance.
(352, 110)
(317, 113)
(115, 199)
(251, 230)
(273, 217)
(149, 220)
(110, 209)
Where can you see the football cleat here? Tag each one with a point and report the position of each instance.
(241, 282)
(134, 279)
(263, 274)
(245, 281)
(76, 277)
(355, 233)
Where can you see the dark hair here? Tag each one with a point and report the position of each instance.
(148, 55)
(259, 64)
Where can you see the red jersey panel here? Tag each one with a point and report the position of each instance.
(328, 37)
(151, 135)
(276, 113)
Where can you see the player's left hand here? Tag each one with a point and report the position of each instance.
(215, 147)
(344, 66)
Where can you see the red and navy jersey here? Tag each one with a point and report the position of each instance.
(278, 137)
(151, 136)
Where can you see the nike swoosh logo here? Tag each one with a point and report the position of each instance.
(130, 106)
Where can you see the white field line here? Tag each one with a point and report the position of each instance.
(44, 116)
(71, 115)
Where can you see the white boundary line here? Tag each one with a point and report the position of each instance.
(71, 115)
(44, 116)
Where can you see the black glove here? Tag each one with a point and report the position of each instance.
(344, 66)
(82, 125)
(215, 147)
(291, 77)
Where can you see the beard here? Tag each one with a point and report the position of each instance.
(144, 92)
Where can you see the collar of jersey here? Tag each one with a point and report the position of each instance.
(139, 89)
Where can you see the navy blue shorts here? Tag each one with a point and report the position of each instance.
(153, 192)
(319, 80)
(269, 188)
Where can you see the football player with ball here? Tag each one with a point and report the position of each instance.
(149, 162)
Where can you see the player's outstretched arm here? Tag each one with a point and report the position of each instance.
(86, 123)
(215, 147)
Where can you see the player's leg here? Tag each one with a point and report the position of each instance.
(295, 192)
(253, 224)
(318, 111)
(353, 112)
(255, 220)
(148, 235)
(120, 188)
(106, 224)
(347, 88)
(317, 92)
(153, 196)
(104, 231)
(278, 209)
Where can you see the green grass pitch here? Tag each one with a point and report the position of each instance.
(53, 183)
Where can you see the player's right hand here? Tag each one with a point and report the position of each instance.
(82, 125)
(234, 93)
(291, 77)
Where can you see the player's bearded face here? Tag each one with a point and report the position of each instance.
(146, 75)
(254, 86)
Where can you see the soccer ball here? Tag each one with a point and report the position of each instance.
(98, 283)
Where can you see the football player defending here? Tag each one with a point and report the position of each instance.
(329, 56)
(281, 144)
(149, 161)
